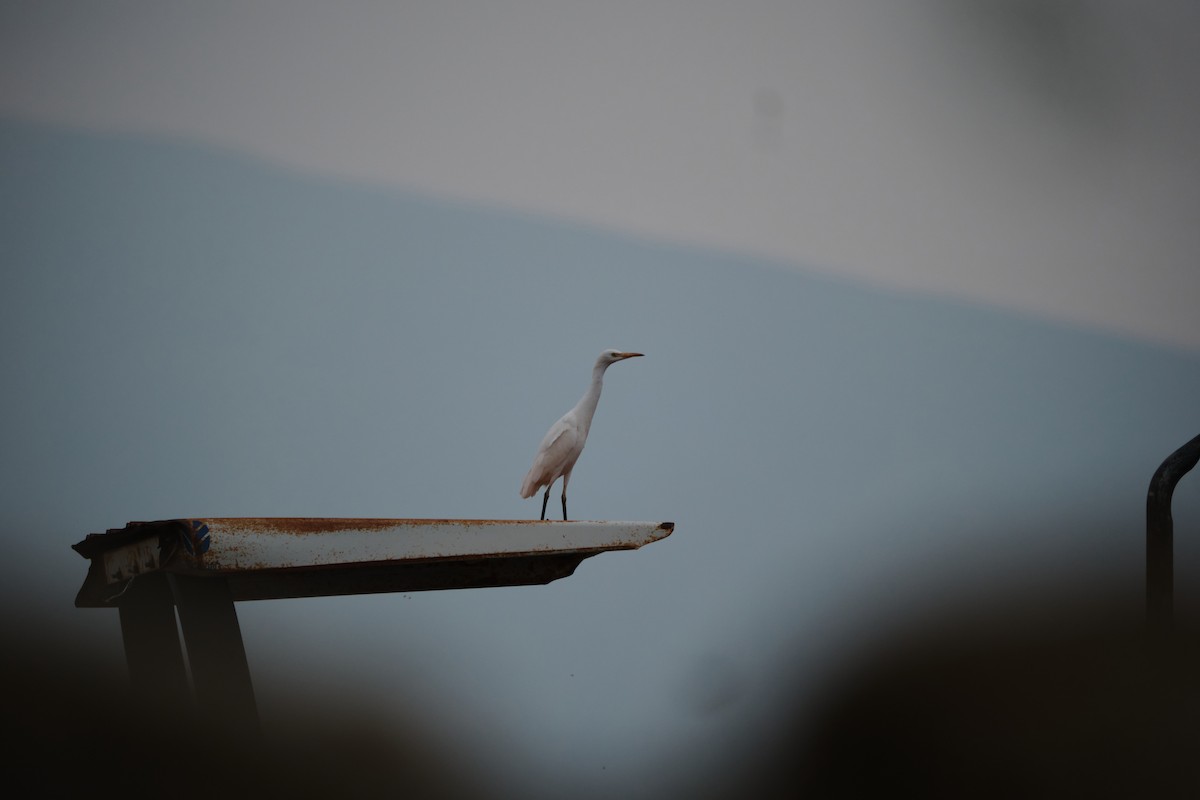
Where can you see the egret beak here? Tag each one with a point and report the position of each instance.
(631, 355)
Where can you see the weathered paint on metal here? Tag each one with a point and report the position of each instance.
(278, 557)
(241, 544)
(133, 559)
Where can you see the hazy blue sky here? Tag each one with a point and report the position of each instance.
(1038, 155)
(188, 333)
(915, 282)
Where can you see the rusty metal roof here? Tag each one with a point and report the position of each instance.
(277, 557)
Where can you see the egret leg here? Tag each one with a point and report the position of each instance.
(566, 480)
(545, 499)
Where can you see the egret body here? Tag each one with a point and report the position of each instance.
(562, 444)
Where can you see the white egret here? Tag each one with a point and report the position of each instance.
(562, 444)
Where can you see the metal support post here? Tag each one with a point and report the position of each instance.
(151, 638)
(220, 672)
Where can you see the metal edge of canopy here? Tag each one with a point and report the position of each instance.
(279, 557)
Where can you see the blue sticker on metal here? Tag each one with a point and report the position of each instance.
(197, 541)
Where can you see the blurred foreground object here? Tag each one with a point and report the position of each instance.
(1043, 692)
(1026, 705)
(76, 728)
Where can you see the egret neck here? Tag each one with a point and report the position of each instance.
(585, 409)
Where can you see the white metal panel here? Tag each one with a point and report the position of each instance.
(241, 544)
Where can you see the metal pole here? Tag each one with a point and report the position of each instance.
(220, 672)
(1160, 571)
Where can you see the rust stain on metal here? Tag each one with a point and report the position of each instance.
(333, 555)
(308, 525)
(233, 552)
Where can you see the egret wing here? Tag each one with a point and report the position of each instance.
(556, 454)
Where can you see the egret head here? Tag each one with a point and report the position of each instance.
(613, 356)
